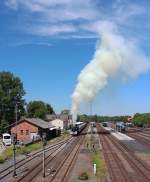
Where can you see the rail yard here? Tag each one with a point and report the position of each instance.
(74, 91)
(64, 160)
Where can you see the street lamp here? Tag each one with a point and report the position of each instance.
(44, 144)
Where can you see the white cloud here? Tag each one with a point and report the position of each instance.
(51, 17)
(56, 14)
(27, 42)
(58, 9)
(124, 12)
(52, 29)
(12, 4)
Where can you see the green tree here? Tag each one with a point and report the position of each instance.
(141, 119)
(83, 118)
(11, 93)
(65, 111)
(36, 109)
(39, 109)
(50, 110)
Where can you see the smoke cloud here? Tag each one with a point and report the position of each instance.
(114, 55)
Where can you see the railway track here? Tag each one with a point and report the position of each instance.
(63, 168)
(36, 167)
(142, 138)
(144, 134)
(140, 130)
(57, 164)
(142, 170)
(9, 170)
(117, 170)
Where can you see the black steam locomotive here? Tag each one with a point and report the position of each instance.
(77, 128)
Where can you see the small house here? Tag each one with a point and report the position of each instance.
(29, 129)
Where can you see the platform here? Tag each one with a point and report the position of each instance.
(121, 136)
(108, 128)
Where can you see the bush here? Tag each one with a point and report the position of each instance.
(2, 160)
(8, 153)
(21, 150)
(83, 176)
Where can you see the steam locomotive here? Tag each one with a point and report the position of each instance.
(77, 128)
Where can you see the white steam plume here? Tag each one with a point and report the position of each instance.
(113, 55)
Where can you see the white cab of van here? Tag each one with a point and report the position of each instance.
(7, 139)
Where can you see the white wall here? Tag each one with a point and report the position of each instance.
(58, 123)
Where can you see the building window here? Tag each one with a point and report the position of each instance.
(27, 132)
(21, 132)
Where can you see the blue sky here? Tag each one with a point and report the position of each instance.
(47, 43)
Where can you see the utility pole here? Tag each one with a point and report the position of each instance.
(44, 144)
(14, 138)
(16, 111)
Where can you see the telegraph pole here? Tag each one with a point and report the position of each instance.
(16, 111)
(44, 144)
(14, 138)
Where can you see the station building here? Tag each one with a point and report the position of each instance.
(29, 129)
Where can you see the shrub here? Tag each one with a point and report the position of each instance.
(83, 176)
(22, 150)
(8, 153)
(2, 159)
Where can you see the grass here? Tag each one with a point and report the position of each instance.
(8, 153)
(148, 155)
(33, 147)
(23, 150)
(101, 169)
(96, 158)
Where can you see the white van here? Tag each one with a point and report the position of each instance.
(7, 139)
